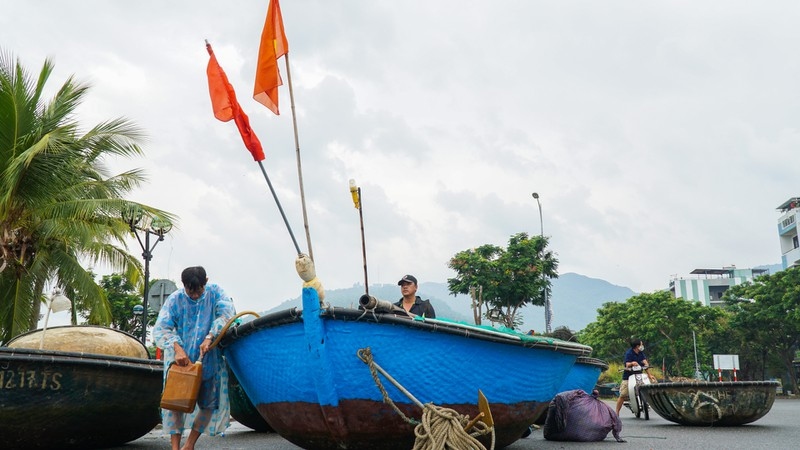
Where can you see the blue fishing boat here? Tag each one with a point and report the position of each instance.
(303, 372)
(584, 374)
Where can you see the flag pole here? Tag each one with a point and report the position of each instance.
(299, 165)
(226, 108)
(280, 208)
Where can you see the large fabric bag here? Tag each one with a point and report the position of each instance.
(182, 387)
(578, 416)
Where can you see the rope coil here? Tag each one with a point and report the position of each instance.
(439, 428)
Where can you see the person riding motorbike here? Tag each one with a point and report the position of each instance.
(633, 357)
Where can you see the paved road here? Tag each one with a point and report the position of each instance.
(779, 429)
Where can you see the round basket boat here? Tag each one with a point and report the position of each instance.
(706, 403)
(77, 387)
(87, 339)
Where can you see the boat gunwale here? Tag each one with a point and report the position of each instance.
(592, 362)
(293, 315)
(79, 358)
(709, 384)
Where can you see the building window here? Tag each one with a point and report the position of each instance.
(795, 242)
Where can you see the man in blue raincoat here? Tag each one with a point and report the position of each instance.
(187, 324)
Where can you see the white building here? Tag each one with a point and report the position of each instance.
(708, 285)
(787, 232)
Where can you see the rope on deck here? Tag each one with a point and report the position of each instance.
(440, 428)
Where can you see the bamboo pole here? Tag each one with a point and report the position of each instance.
(297, 151)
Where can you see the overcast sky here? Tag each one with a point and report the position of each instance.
(660, 135)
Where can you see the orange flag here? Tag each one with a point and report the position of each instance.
(273, 46)
(226, 107)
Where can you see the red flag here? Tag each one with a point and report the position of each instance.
(273, 46)
(226, 107)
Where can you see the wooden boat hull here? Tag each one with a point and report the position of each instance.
(705, 403)
(51, 399)
(242, 409)
(302, 373)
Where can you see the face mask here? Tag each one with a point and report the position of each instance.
(641, 348)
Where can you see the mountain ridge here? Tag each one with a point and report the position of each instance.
(575, 300)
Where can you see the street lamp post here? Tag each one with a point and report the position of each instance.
(548, 309)
(57, 303)
(157, 226)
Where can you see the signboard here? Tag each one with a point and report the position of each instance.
(158, 294)
(726, 362)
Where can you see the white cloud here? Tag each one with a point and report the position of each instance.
(660, 135)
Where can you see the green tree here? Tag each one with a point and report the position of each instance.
(58, 205)
(508, 279)
(477, 273)
(767, 312)
(122, 296)
(665, 323)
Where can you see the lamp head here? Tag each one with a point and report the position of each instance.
(132, 215)
(354, 192)
(535, 195)
(59, 302)
(160, 225)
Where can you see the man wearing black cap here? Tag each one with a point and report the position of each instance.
(410, 301)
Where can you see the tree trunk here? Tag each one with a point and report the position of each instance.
(37, 307)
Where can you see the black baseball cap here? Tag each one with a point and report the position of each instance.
(407, 279)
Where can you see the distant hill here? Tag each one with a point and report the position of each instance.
(575, 300)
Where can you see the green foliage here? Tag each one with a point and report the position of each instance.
(565, 334)
(663, 322)
(614, 373)
(760, 323)
(505, 279)
(122, 295)
(611, 375)
(766, 320)
(58, 207)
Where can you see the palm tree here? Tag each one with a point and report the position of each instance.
(59, 207)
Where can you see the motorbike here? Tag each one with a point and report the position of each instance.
(636, 403)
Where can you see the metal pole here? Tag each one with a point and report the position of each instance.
(159, 226)
(697, 374)
(280, 208)
(147, 255)
(363, 240)
(355, 192)
(541, 221)
(46, 319)
(548, 310)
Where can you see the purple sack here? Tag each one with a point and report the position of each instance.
(578, 416)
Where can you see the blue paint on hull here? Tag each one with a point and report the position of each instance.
(583, 375)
